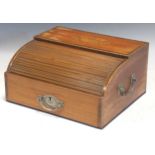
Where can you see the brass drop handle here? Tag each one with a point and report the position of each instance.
(123, 91)
(50, 103)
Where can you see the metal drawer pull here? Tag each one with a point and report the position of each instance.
(50, 103)
(123, 91)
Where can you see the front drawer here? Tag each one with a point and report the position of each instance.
(75, 105)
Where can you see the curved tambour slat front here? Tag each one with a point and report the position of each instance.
(71, 67)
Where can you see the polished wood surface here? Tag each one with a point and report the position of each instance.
(112, 102)
(91, 40)
(73, 68)
(78, 106)
(80, 68)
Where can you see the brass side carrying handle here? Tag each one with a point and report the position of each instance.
(123, 91)
(50, 103)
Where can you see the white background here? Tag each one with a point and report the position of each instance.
(25, 131)
(77, 11)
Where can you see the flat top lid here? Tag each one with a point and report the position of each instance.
(102, 43)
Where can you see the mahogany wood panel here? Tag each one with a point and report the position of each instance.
(73, 68)
(91, 40)
(112, 102)
(78, 106)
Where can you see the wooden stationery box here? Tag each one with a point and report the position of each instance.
(82, 76)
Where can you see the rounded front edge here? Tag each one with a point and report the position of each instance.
(16, 55)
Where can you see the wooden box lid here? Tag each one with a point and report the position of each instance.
(71, 58)
(88, 40)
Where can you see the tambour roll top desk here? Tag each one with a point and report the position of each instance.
(83, 76)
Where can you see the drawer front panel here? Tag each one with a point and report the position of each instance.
(61, 101)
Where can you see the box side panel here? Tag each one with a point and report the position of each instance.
(78, 106)
(127, 84)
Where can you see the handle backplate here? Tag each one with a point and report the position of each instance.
(121, 87)
(50, 103)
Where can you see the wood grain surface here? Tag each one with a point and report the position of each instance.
(78, 106)
(112, 102)
(73, 68)
(91, 40)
